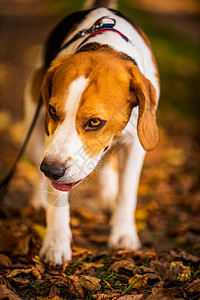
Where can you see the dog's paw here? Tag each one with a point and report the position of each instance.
(56, 248)
(124, 238)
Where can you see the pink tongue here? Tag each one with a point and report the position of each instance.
(63, 187)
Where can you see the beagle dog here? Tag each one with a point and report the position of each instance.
(100, 89)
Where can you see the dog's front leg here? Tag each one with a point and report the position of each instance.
(56, 247)
(123, 230)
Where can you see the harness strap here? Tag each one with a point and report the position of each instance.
(104, 28)
(98, 27)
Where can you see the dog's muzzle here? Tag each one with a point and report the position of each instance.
(52, 171)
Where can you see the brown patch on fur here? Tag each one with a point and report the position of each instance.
(115, 87)
(107, 98)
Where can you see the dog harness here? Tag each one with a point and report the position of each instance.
(98, 27)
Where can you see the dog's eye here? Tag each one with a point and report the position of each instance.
(53, 113)
(94, 124)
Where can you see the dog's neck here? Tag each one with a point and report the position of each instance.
(106, 49)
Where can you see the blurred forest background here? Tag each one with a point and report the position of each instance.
(169, 194)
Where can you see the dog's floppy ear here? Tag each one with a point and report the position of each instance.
(46, 87)
(145, 93)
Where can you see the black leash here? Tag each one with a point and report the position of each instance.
(4, 184)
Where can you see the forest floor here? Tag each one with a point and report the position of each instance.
(168, 211)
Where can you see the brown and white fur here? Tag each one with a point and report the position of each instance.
(98, 83)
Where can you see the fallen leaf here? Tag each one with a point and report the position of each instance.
(75, 287)
(162, 271)
(141, 214)
(40, 268)
(138, 281)
(87, 266)
(106, 296)
(18, 280)
(89, 216)
(128, 253)
(40, 230)
(90, 283)
(76, 284)
(131, 297)
(74, 222)
(194, 286)
(98, 239)
(16, 272)
(186, 256)
(123, 267)
(159, 293)
(5, 261)
(50, 298)
(5, 119)
(16, 130)
(6, 294)
(36, 273)
(141, 225)
(23, 246)
(4, 281)
(149, 255)
(143, 190)
(185, 275)
(54, 292)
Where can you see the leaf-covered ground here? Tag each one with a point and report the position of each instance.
(167, 216)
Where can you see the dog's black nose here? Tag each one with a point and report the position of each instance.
(51, 170)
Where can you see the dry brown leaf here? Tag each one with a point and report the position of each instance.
(36, 273)
(90, 283)
(93, 218)
(87, 266)
(54, 292)
(74, 222)
(98, 239)
(23, 246)
(194, 286)
(106, 296)
(16, 272)
(159, 293)
(186, 256)
(141, 214)
(149, 255)
(80, 253)
(7, 294)
(4, 281)
(131, 297)
(20, 280)
(185, 275)
(75, 287)
(138, 281)
(76, 284)
(5, 261)
(40, 230)
(122, 265)
(50, 298)
(40, 268)
(127, 252)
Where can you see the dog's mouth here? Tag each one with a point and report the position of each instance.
(64, 187)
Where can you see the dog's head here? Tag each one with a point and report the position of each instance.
(89, 98)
